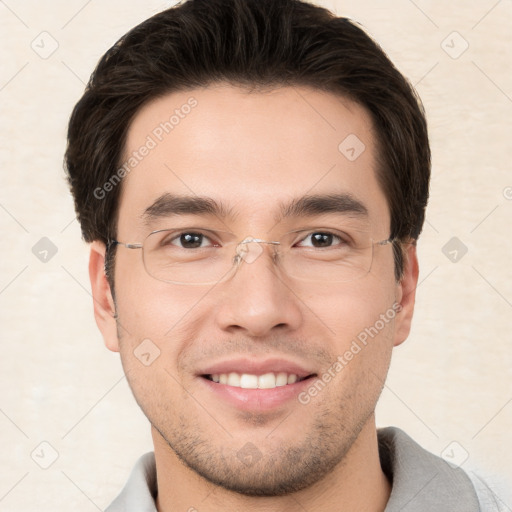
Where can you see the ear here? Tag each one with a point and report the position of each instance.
(406, 295)
(104, 307)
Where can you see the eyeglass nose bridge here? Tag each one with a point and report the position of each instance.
(250, 249)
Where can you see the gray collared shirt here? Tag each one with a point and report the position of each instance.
(421, 481)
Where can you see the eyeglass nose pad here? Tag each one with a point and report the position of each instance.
(249, 250)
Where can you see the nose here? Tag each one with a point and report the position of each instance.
(257, 300)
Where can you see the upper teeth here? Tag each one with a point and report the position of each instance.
(249, 381)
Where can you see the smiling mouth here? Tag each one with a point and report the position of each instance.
(269, 380)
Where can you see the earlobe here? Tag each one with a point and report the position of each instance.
(406, 295)
(104, 306)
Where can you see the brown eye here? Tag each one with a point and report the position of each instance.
(187, 240)
(321, 239)
(191, 240)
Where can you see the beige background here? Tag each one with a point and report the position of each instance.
(451, 382)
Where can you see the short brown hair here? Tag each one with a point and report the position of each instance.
(255, 44)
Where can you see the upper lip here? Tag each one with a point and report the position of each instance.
(257, 367)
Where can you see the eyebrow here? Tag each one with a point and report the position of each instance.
(170, 204)
(307, 206)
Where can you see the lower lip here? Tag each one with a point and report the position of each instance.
(257, 399)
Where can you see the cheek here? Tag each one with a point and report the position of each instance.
(155, 326)
(148, 308)
(356, 307)
(362, 344)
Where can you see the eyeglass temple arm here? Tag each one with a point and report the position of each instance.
(128, 246)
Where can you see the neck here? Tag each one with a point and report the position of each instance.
(356, 483)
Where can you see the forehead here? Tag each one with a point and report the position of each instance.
(252, 152)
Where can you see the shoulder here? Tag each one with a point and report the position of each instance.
(422, 481)
(139, 492)
(490, 494)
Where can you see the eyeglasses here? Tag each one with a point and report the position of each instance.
(198, 256)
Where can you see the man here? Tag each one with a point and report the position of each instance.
(252, 177)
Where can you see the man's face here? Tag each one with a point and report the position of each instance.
(256, 154)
